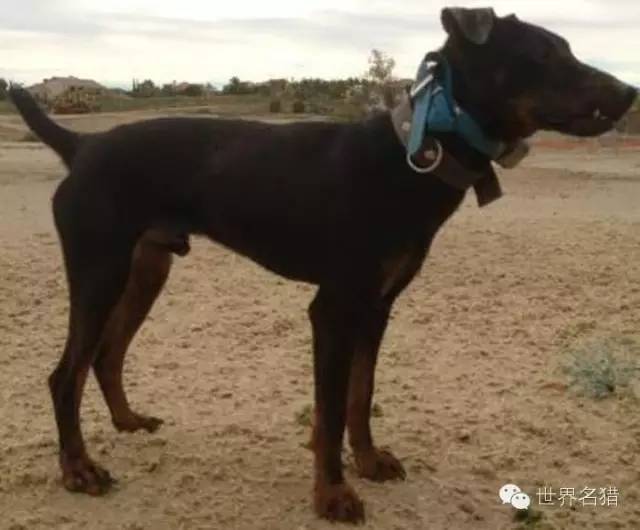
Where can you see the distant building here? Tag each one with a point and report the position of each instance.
(53, 87)
(181, 87)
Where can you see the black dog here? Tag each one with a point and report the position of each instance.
(330, 204)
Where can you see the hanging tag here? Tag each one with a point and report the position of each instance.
(514, 154)
(488, 187)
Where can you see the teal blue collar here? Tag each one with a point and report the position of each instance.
(435, 111)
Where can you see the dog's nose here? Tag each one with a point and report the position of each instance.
(632, 94)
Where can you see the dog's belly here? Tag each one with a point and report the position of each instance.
(297, 227)
(281, 250)
(290, 261)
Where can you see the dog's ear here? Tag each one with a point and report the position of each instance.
(475, 25)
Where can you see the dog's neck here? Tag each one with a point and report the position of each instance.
(460, 167)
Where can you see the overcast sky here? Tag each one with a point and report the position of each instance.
(114, 41)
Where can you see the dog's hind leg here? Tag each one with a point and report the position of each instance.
(97, 260)
(372, 463)
(95, 286)
(150, 267)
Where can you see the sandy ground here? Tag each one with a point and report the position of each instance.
(471, 393)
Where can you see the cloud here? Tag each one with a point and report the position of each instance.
(203, 40)
(324, 29)
(43, 16)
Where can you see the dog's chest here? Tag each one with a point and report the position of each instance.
(398, 270)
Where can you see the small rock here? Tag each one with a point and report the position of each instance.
(464, 436)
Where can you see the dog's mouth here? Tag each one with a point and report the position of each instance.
(594, 123)
(597, 118)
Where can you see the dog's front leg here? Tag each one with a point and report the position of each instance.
(333, 320)
(371, 462)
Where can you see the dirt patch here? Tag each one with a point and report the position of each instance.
(473, 390)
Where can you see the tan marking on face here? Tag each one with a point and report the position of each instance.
(524, 121)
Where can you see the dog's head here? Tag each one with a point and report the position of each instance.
(516, 78)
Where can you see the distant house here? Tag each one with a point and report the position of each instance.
(179, 88)
(53, 87)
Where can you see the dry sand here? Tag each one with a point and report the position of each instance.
(470, 385)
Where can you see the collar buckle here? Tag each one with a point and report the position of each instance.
(434, 153)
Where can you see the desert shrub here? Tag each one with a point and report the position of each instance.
(146, 89)
(275, 106)
(602, 367)
(304, 417)
(193, 90)
(238, 87)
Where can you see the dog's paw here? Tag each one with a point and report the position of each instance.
(81, 475)
(138, 422)
(379, 465)
(338, 502)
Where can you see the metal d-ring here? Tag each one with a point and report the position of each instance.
(432, 167)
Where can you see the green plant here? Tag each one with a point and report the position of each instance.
(193, 90)
(146, 89)
(602, 367)
(304, 416)
(380, 74)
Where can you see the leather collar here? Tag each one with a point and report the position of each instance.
(481, 177)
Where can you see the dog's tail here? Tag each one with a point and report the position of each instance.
(61, 140)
